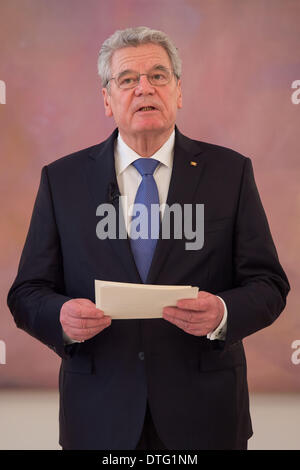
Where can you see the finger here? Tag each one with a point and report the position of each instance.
(191, 328)
(80, 322)
(82, 308)
(201, 303)
(189, 316)
(84, 311)
(80, 334)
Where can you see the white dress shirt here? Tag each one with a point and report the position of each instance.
(129, 179)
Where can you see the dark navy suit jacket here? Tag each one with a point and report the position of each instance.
(197, 388)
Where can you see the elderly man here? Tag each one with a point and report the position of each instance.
(177, 382)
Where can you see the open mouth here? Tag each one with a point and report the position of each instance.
(147, 108)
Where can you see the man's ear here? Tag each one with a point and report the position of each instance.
(106, 101)
(179, 97)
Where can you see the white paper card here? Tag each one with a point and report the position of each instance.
(122, 300)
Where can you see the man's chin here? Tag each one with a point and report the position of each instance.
(149, 127)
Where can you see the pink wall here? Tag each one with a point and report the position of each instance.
(240, 58)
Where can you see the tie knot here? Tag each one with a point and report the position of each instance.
(145, 166)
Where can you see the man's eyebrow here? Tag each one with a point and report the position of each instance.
(159, 67)
(125, 71)
(155, 67)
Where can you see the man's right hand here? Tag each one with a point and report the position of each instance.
(81, 320)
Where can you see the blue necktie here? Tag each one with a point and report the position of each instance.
(147, 194)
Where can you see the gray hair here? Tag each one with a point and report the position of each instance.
(134, 37)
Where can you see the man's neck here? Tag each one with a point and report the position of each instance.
(147, 144)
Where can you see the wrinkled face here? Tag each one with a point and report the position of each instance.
(146, 108)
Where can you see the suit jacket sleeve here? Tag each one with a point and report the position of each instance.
(260, 284)
(37, 294)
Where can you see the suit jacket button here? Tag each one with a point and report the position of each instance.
(141, 355)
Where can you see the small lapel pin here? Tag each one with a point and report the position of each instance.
(193, 163)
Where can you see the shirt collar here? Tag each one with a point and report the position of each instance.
(125, 156)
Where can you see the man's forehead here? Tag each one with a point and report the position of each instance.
(145, 55)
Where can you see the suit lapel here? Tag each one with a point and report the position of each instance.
(103, 186)
(184, 181)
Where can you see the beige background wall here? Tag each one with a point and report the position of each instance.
(240, 58)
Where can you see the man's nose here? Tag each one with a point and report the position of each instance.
(144, 86)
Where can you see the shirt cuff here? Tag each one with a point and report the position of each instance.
(220, 331)
(68, 340)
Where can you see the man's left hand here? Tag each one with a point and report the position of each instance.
(198, 316)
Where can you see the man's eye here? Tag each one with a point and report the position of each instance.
(127, 80)
(158, 76)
